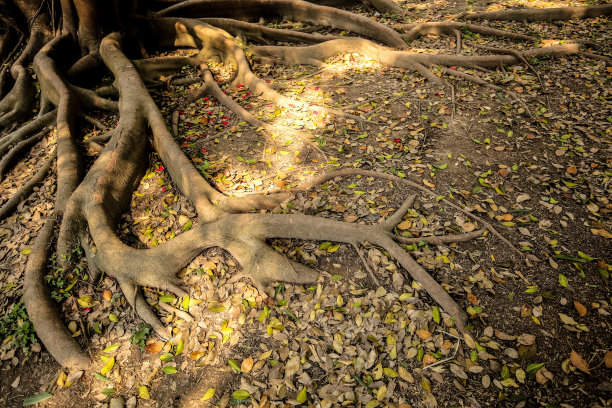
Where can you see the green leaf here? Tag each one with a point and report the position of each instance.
(533, 368)
(179, 347)
(241, 395)
(187, 226)
(37, 398)
(167, 298)
(216, 308)
(102, 377)
(113, 317)
(531, 289)
(166, 357)
(563, 280)
(505, 373)
(234, 364)
(109, 391)
(436, 314)
(569, 258)
(585, 256)
(325, 245)
(170, 370)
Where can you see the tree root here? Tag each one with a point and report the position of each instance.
(17, 151)
(368, 173)
(441, 239)
(212, 88)
(291, 10)
(89, 207)
(447, 28)
(42, 310)
(8, 140)
(548, 14)
(25, 191)
(261, 34)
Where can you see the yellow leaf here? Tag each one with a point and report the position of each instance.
(389, 372)
(381, 393)
(333, 248)
(110, 363)
(143, 392)
(301, 397)
(85, 301)
(61, 380)
(208, 394)
(378, 372)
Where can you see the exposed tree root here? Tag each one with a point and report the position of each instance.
(368, 173)
(25, 191)
(89, 205)
(261, 34)
(17, 151)
(547, 14)
(291, 10)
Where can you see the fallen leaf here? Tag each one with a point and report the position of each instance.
(208, 394)
(247, 365)
(608, 359)
(154, 348)
(580, 308)
(522, 197)
(579, 362)
(526, 339)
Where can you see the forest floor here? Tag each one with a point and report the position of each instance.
(538, 170)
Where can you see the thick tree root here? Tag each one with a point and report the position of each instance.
(90, 206)
(291, 10)
(261, 34)
(43, 311)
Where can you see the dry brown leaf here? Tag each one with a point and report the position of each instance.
(404, 225)
(579, 362)
(428, 359)
(608, 359)
(468, 227)
(582, 310)
(154, 348)
(526, 339)
(247, 365)
(423, 334)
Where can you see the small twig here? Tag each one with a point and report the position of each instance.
(365, 263)
(441, 239)
(446, 359)
(170, 309)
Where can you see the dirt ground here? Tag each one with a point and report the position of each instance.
(537, 168)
